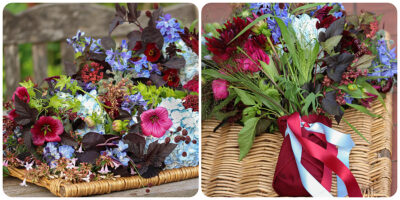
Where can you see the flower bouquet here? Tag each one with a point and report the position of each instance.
(293, 68)
(130, 110)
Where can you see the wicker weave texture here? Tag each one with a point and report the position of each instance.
(224, 176)
(66, 189)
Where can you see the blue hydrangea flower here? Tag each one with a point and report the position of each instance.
(144, 68)
(119, 59)
(188, 120)
(66, 151)
(169, 28)
(386, 58)
(90, 107)
(191, 66)
(131, 101)
(305, 29)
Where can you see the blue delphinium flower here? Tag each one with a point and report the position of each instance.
(169, 28)
(123, 158)
(51, 154)
(119, 59)
(275, 10)
(144, 68)
(66, 151)
(79, 43)
(131, 101)
(386, 58)
(183, 155)
(122, 146)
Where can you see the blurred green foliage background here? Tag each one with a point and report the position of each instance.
(53, 48)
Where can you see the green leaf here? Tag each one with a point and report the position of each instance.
(214, 73)
(270, 69)
(6, 172)
(363, 110)
(246, 136)
(250, 25)
(331, 43)
(307, 6)
(355, 130)
(245, 97)
(353, 19)
(193, 25)
(372, 90)
(289, 40)
(365, 61)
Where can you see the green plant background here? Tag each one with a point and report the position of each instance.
(53, 48)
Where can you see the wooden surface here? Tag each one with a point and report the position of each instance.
(185, 188)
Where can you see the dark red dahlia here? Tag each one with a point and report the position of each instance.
(323, 13)
(220, 47)
(152, 52)
(191, 39)
(193, 85)
(22, 93)
(46, 129)
(172, 77)
(191, 101)
(325, 23)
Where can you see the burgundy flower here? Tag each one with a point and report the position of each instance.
(138, 46)
(152, 52)
(220, 47)
(22, 94)
(46, 129)
(255, 53)
(191, 39)
(365, 102)
(220, 89)
(323, 13)
(193, 85)
(191, 101)
(155, 122)
(325, 23)
(172, 78)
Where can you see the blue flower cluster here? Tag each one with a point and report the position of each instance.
(53, 151)
(169, 28)
(119, 153)
(79, 43)
(387, 58)
(144, 68)
(119, 59)
(187, 120)
(335, 14)
(131, 101)
(275, 10)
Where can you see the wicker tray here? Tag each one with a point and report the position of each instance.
(66, 189)
(224, 175)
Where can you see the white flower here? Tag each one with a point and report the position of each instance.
(28, 166)
(104, 170)
(87, 178)
(23, 183)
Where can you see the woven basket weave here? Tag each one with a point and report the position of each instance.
(62, 188)
(223, 175)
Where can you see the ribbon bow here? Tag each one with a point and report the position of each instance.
(336, 160)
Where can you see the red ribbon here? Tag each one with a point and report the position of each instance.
(327, 156)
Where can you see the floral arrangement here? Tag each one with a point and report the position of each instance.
(275, 63)
(130, 109)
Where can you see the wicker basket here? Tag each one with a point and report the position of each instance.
(224, 175)
(66, 189)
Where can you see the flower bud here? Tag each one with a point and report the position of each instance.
(352, 87)
(89, 122)
(117, 125)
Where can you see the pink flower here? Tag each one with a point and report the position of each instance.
(220, 89)
(12, 115)
(46, 129)
(155, 122)
(256, 54)
(22, 94)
